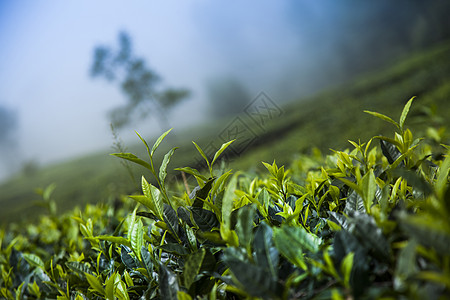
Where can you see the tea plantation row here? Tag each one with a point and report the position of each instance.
(365, 223)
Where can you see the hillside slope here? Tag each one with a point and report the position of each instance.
(323, 121)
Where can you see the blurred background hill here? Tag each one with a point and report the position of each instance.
(312, 64)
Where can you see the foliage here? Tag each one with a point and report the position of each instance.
(371, 222)
(313, 122)
(136, 81)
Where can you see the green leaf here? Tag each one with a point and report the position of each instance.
(127, 259)
(227, 202)
(339, 219)
(158, 141)
(95, 284)
(165, 162)
(266, 255)
(78, 267)
(368, 188)
(192, 172)
(350, 184)
(427, 230)
(121, 289)
(405, 113)
(222, 148)
(202, 154)
(168, 284)
(291, 241)
(154, 197)
(192, 267)
(110, 286)
(442, 279)
(354, 203)
(252, 279)
(136, 236)
(406, 264)
(414, 180)
(174, 248)
(201, 194)
(219, 181)
(34, 260)
(244, 227)
(171, 219)
(382, 117)
(34, 288)
(346, 268)
(147, 260)
(183, 296)
(365, 229)
(114, 239)
(442, 179)
(133, 158)
(206, 220)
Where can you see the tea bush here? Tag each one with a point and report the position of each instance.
(370, 222)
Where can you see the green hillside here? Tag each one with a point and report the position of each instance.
(323, 121)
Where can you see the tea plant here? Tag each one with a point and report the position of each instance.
(370, 222)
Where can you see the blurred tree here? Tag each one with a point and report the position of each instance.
(8, 123)
(227, 95)
(137, 82)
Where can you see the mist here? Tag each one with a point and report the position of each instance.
(288, 49)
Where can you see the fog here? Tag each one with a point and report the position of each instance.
(288, 49)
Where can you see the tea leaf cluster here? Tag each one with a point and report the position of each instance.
(365, 223)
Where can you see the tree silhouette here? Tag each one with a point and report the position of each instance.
(137, 82)
(8, 123)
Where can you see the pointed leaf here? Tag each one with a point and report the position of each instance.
(292, 241)
(171, 219)
(382, 117)
(244, 227)
(136, 236)
(405, 113)
(442, 179)
(133, 158)
(174, 248)
(202, 193)
(266, 255)
(427, 231)
(154, 196)
(202, 153)
(227, 202)
(206, 220)
(368, 187)
(168, 284)
(338, 219)
(109, 286)
(126, 258)
(34, 260)
(95, 284)
(114, 239)
(354, 203)
(222, 148)
(147, 260)
(192, 172)
(158, 141)
(254, 280)
(192, 267)
(165, 162)
(346, 268)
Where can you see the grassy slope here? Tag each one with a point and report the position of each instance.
(325, 121)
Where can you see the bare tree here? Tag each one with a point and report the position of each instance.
(137, 82)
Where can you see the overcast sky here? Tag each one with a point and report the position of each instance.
(284, 48)
(47, 49)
